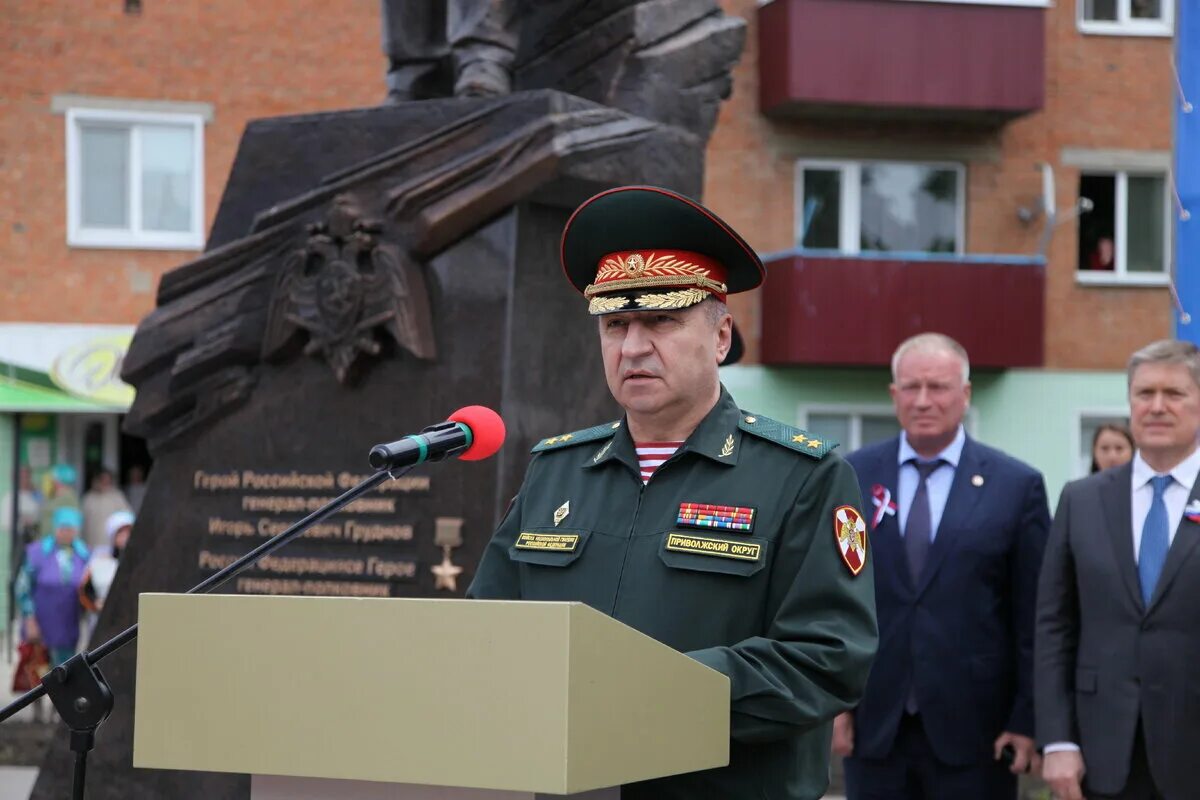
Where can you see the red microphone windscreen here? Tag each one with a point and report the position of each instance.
(487, 431)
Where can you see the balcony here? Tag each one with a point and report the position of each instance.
(901, 59)
(837, 310)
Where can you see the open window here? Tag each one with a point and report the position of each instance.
(1124, 238)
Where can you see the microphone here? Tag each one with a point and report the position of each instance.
(472, 433)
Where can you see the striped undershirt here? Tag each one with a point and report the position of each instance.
(651, 455)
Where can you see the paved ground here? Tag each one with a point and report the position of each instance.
(21, 740)
(17, 782)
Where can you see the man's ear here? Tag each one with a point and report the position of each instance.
(724, 337)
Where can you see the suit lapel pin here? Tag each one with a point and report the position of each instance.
(977, 480)
(1192, 512)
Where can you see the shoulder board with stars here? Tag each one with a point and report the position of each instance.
(794, 438)
(578, 437)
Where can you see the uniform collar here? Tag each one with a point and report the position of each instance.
(618, 447)
(716, 437)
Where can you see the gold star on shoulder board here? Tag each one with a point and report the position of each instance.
(799, 438)
(814, 443)
(551, 440)
(566, 437)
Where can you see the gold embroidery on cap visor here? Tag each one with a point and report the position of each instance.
(607, 305)
(635, 271)
(678, 299)
(658, 301)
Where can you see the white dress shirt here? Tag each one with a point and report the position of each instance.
(937, 485)
(1175, 497)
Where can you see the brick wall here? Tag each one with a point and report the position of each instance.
(1103, 92)
(274, 57)
(246, 59)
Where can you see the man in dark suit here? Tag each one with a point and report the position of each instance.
(958, 531)
(1118, 631)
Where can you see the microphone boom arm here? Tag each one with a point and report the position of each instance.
(80, 694)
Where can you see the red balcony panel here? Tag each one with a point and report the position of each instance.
(852, 311)
(894, 58)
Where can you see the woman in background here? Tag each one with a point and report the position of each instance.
(48, 586)
(1112, 446)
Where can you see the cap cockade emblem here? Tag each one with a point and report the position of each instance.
(635, 265)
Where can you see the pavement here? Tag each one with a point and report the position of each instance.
(17, 782)
(20, 739)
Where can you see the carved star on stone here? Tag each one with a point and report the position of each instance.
(447, 574)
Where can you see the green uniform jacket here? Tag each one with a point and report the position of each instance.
(787, 621)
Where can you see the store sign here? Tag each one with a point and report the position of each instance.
(83, 361)
(91, 370)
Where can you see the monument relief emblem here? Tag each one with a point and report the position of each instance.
(342, 287)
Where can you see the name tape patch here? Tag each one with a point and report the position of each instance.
(558, 542)
(707, 515)
(722, 548)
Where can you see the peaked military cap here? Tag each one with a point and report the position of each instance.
(643, 248)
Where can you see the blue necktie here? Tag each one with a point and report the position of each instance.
(1156, 539)
(918, 528)
(918, 535)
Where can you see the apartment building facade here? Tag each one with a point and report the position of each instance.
(997, 170)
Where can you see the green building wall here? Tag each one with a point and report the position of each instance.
(1034, 415)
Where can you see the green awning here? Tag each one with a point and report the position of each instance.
(21, 396)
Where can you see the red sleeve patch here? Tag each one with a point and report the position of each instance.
(850, 532)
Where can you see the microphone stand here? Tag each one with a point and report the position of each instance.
(80, 694)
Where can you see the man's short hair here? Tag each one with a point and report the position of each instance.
(715, 309)
(1166, 351)
(932, 342)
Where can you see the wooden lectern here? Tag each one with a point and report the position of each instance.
(321, 697)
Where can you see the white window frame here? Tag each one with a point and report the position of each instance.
(850, 205)
(1126, 24)
(132, 237)
(1109, 414)
(1120, 274)
(854, 411)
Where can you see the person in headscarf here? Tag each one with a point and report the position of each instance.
(60, 493)
(48, 586)
(102, 568)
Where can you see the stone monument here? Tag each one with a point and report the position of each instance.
(369, 272)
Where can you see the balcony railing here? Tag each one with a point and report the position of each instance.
(900, 59)
(831, 309)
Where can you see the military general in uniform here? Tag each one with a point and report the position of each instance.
(728, 536)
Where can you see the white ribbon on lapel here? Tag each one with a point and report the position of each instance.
(882, 499)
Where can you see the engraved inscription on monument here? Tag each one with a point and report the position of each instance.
(367, 550)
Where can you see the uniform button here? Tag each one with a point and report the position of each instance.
(752, 420)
